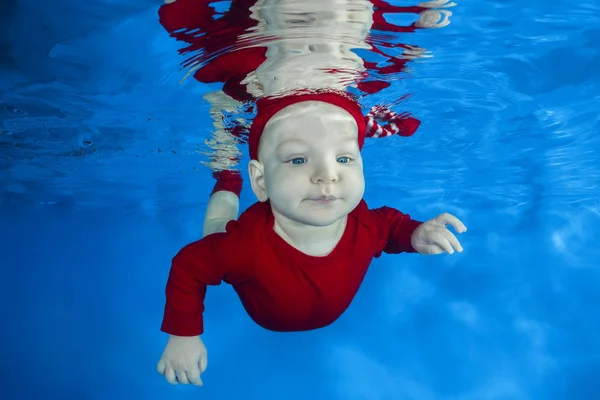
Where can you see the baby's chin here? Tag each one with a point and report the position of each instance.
(314, 214)
(321, 217)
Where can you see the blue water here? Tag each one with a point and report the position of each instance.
(100, 187)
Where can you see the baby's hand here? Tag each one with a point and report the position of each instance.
(433, 19)
(437, 4)
(432, 237)
(183, 360)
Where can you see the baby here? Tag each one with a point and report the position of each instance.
(297, 257)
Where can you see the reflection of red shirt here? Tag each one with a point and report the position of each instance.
(224, 59)
(216, 38)
(281, 288)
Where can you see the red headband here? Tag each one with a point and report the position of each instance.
(367, 125)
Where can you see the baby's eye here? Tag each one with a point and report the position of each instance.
(297, 161)
(344, 160)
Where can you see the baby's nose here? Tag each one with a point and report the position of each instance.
(325, 174)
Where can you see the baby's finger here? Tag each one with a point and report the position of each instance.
(170, 375)
(452, 240)
(447, 218)
(203, 364)
(459, 226)
(193, 375)
(182, 377)
(161, 366)
(439, 239)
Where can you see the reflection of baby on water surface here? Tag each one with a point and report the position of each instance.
(297, 257)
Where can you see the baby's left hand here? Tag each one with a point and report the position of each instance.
(432, 237)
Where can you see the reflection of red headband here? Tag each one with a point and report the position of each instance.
(367, 125)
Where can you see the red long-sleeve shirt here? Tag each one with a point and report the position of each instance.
(281, 288)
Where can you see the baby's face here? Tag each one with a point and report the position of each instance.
(313, 171)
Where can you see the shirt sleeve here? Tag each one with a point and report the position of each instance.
(208, 261)
(396, 229)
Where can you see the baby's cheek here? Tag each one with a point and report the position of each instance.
(282, 187)
(357, 184)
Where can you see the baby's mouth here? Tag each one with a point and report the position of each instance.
(325, 199)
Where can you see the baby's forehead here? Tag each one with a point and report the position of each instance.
(307, 139)
(310, 123)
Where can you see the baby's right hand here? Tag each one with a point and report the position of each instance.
(183, 360)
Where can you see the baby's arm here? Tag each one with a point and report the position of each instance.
(403, 234)
(208, 261)
(395, 229)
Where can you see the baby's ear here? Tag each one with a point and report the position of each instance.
(257, 180)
